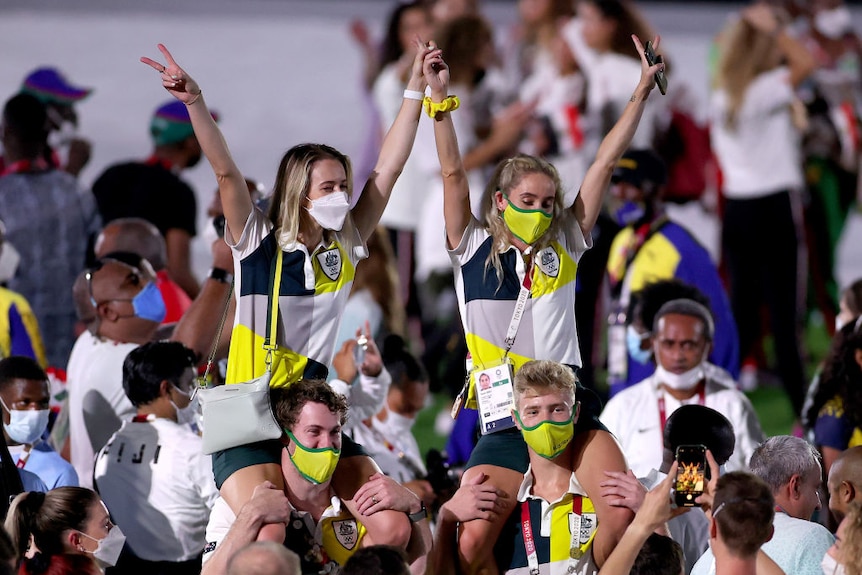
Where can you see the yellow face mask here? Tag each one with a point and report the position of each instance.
(548, 438)
(526, 225)
(315, 465)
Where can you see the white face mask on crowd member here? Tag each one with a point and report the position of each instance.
(331, 210)
(834, 23)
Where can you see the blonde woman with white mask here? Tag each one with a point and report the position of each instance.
(322, 240)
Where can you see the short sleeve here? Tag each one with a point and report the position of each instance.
(256, 228)
(770, 90)
(832, 428)
(473, 237)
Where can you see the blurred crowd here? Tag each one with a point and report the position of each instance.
(504, 244)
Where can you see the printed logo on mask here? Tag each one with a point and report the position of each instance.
(330, 263)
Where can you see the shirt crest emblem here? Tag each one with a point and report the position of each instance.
(346, 533)
(330, 263)
(549, 262)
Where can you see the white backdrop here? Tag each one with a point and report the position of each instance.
(279, 72)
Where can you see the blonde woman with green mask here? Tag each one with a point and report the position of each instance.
(515, 273)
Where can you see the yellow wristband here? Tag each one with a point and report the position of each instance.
(448, 105)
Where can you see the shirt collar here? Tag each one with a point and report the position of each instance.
(526, 490)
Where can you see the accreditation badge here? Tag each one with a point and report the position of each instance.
(495, 395)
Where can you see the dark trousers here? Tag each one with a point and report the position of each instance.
(761, 248)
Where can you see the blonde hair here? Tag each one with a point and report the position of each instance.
(507, 176)
(851, 545)
(544, 374)
(292, 185)
(746, 52)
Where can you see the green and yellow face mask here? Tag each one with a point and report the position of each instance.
(526, 225)
(315, 465)
(548, 438)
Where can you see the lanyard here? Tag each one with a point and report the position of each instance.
(395, 449)
(25, 455)
(156, 161)
(662, 413)
(520, 306)
(575, 552)
(26, 167)
(144, 418)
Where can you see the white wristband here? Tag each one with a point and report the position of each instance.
(414, 95)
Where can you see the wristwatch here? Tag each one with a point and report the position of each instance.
(220, 275)
(419, 515)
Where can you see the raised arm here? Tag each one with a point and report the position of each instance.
(395, 148)
(598, 177)
(456, 192)
(232, 187)
(653, 514)
(799, 60)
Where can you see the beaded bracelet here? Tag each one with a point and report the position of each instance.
(432, 108)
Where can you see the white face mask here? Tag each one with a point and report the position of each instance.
(188, 414)
(830, 566)
(834, 23)
(26, 425)
(680, 381)
(395, 424)
(9, 258)
(108, 549)
(330, 210)
(210, 234)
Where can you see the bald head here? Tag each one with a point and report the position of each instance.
(133, 235)
(845, 481)
(264, 558)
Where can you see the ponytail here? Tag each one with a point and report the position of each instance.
(21, 518)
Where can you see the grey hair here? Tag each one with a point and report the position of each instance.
(779, 458)
(690, 308)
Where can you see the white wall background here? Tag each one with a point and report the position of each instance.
(279, 72)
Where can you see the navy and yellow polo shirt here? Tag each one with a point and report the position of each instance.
(314, 290)
(547, 329)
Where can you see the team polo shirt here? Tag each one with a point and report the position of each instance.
(313, 293)
(547, 329)
(323, 547)
(671, 252)
(834, 428)
(551, 525)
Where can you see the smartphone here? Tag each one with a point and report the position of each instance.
(652, 59)
(690, 474)
(360, 349)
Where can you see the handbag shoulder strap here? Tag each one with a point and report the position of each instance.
(271, 342)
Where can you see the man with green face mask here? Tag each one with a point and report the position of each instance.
(319, 527)
(555, 524)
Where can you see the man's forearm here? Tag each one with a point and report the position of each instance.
(243, 532)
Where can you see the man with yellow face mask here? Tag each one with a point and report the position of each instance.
(555, 523)
(319, 528)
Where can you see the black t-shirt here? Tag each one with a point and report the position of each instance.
(148, 191)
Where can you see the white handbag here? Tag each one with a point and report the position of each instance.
(241, 413)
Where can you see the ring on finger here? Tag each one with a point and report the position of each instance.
(374, 499)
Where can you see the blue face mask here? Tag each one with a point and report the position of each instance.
(633, 344)
(149, 304)
(629, 212)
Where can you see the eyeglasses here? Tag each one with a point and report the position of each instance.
(90, 273)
